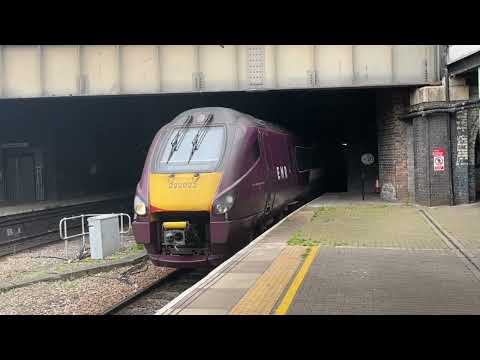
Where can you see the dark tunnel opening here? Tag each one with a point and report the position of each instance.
(78, 146)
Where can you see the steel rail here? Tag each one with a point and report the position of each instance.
(47, 222)
(144, 291)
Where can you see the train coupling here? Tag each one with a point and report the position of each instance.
(174, 233)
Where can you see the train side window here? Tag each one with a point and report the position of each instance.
(250, 153)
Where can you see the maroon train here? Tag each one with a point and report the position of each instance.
(213, 179)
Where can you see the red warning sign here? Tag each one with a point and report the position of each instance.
(438, 159)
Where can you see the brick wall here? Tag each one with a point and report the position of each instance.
(431, 187)
(422, 182)
(392, 143)
(473, 116)
(410, 162)
(440, 191)
(432, 131)
(465, 127)
(460, 157)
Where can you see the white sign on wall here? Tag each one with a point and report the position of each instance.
(438, 159)
(368, 159)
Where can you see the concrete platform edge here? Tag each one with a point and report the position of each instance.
(189, 295)
(452, 242)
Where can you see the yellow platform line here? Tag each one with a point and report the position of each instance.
(262, 297)
(292, 291)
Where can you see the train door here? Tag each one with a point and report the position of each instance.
(268, 165)
(20, 177)
(282, 165)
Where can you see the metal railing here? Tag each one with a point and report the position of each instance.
(62, 227)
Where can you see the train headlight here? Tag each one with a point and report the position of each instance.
(139, 206)
(223, 204)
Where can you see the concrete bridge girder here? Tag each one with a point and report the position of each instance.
(61, 70)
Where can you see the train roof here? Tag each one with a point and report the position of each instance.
(229, 116)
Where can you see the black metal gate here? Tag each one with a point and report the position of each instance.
(20, 176)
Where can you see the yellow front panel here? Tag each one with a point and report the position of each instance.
(183, 192)
(175, 225)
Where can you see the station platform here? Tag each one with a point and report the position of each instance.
(7, 208)
(341, 255)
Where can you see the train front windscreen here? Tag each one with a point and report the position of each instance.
(192, 149)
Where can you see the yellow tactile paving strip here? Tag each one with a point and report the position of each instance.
(262, 297)
(297, 282)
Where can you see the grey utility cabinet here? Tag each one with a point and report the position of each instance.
(104, 235)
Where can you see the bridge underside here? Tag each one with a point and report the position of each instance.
(54, 146)
(79, 146)
(50, 71)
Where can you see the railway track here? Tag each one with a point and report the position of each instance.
(27, 230)
(152, 298)
(149, 300)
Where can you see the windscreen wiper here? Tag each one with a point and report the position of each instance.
(177, 141)
(197, 140)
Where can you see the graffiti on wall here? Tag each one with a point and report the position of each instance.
(462, 141)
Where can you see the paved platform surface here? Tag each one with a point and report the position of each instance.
(341, 255)
(462, 221)
(387, 281)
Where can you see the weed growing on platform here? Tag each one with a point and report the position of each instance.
(131, 250)
(299, 239)
(324, 212)
(306, 253)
